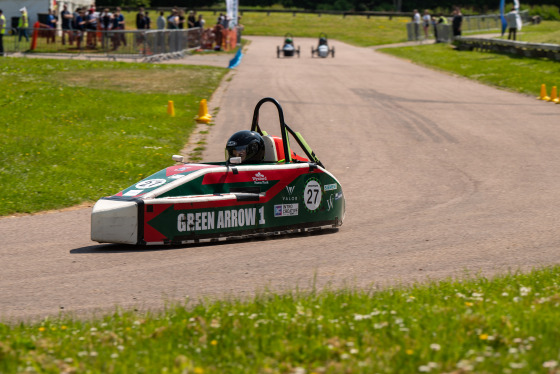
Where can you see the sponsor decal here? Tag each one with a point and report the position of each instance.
(330, 203)
(133, 193)
(312, 194)
(291, 196)
(260, 178)
(177, 176)
(221, 219)
(286, 210)
(330, 187)
(150, 183)
(338, 195)
(182, 168)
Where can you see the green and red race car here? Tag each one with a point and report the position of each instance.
(275, 192)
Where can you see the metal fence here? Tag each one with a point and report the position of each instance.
(134, 43)
(470, 24)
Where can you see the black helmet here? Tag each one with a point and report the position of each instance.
(249, 145)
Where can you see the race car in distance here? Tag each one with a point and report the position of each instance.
(323, 49)
(288, 49)
(263, 188)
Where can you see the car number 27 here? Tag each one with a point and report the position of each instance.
(312, 194)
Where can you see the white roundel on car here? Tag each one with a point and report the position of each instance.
(312, 194)
(151, 183)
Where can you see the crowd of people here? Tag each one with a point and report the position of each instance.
(88, 27)
(427, 21)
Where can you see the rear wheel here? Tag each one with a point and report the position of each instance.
(298, 51)
(277, 52)
(332, 52)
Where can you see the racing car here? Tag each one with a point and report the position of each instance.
(288, 49)
(322, 49)
(187, 203)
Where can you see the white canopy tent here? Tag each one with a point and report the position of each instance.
(11, 8)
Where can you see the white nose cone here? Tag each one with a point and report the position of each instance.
(114, 221)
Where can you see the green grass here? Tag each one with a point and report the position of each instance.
(520, 74)
(74, 131)
(507, 324)
(545, 32)
(359, 31)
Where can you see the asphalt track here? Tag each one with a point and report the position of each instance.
(443, 177)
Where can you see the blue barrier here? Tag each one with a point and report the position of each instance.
(236, 60)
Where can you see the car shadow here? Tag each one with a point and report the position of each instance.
(128, 248)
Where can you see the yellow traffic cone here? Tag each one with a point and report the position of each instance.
(203, 115)
(553, 94)
(170, 108)
(543, 93)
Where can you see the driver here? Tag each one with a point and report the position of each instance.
(249, 145)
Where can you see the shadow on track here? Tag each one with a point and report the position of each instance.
(127, 248)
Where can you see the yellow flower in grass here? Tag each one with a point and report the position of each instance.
(198, 370)
(409, 352)
(468, 303)
(41, 329)
(483, 336)
(214, 342)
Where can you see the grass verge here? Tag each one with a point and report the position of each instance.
(507, 324)
(74, 131)
(520, 74)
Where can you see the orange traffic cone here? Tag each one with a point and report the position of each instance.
(170, 108)
(543, 93)
(554, 95)
(203, 115)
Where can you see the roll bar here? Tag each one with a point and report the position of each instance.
(285, 130)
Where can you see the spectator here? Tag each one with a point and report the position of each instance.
(173, 20)
(511, 19)
(457, 21)
(160, 23)
(51, 24)
(119, 24)
(140, 19)
(220, 19)
(426, 21)
(200, 22)
(91, 26)
(23, 24)
(148, 21)
(191, 20)
(106, 23)
(80, 26)
(416, 20)
(181, 24)
(66, 25)
(2, 31)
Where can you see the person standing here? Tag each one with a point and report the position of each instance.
(416, 20)
(457, 22)
(511, 19)
(120, 25)
(23, 24)
(66, 21)
(2, 31)
(426, 22)
(161, 21)
(200, 22)
(148, 21)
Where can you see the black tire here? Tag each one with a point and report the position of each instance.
(312, 52)
(277, 52)
(332, 52)
(298, 51)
